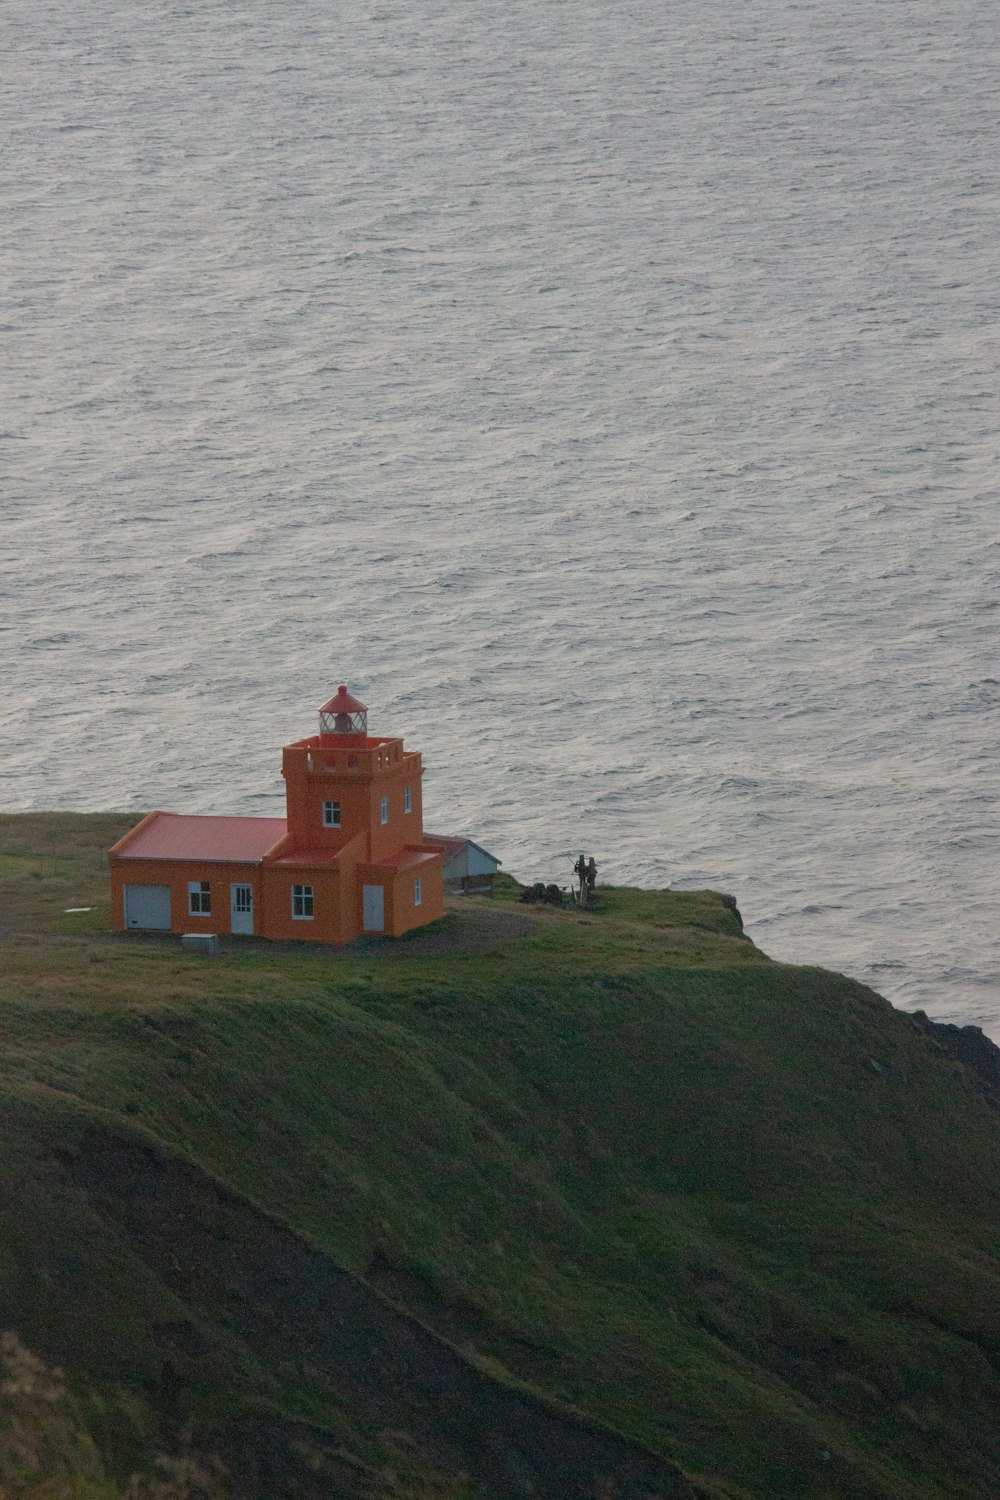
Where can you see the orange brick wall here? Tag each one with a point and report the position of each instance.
(305, 794)
(405, 914)
(326, 925)
(272, 898)
(398, 886)
(359, 793)
(176, 874)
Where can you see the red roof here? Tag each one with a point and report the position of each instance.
(454, 844)
(183, 836)
(303, 856)
(449, 842)
(343, 703)
(405, 858)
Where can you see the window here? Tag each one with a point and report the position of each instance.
(407, 800)
(199, 898)
(331, 814)
(418, 892)
(385, 810)
(302, 902)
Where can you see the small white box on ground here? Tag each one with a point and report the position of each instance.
(200, 942)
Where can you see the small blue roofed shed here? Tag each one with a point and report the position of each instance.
(467, 865)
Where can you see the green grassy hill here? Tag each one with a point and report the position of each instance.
(532, 1203)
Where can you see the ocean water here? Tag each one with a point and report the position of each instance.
(606, 392)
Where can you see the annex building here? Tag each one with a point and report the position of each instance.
(348, 858)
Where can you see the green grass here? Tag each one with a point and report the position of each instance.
(623, 1160)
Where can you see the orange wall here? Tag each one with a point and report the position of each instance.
(305, 794)
(403, 827)
(383, 771)
(349, 862)
(272, 898)
(326, 925)
(405, 914)
(176, 874)
(398, 885)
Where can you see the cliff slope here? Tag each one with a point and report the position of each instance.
(532, 1204)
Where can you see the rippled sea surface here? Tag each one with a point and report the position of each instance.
(606, 392)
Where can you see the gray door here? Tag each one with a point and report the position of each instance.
(241, 907)
(147, 906)
(373, 897)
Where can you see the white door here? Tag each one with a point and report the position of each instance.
(373, 897)
(241, 907)
(147, 906)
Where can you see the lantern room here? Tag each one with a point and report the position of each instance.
(343, 715)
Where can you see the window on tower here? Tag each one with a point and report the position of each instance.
(384, 810)
(407, 800)
(199, 898)
(418, 892)
(331, 814)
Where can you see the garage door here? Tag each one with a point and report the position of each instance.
(147, 906)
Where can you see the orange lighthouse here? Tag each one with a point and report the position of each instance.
(348, 858)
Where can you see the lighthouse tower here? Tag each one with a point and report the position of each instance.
(343, 783)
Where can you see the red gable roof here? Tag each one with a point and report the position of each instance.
(183, 836)
(450, 843)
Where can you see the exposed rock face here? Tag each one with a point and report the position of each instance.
(730, 902)
(970, 1046)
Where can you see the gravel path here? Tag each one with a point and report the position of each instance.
(463, 929)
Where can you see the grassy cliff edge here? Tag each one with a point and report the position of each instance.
(531, 1203)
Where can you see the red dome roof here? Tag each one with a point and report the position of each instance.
(343, 703)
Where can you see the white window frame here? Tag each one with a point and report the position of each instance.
(418, 892)
(407, 799)
(303, 896)
(331, 814)
(199, 898)
(384, 810)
